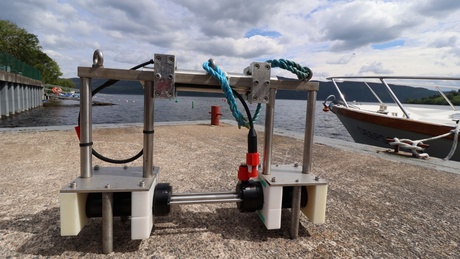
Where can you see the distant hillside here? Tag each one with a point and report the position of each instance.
(351, 90)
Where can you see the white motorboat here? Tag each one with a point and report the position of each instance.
(424, 130)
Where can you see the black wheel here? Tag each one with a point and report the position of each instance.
(161, 198)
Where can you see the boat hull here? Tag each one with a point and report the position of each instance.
(374, 129)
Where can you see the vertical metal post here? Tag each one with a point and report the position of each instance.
(395, 99)
(269, 124)
(307, 157)
(309, 127)
(86, 138)
(295, 212)
(107, 222)
(148, 130)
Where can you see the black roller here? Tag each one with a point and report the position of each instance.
(161, 198)
(251, 194)
(287, 197)
(121, 204)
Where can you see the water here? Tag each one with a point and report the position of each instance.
(289, 114)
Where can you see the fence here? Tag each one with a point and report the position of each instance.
(10, 64)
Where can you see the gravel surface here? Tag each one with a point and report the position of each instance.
(377, 208)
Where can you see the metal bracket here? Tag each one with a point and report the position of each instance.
(260, 72)
(164, 80)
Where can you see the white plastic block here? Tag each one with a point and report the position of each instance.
(316, 206)
(139, 205)
(141, 213)
(271, 218)
(141, 227)
(72, 213)
(270, 213)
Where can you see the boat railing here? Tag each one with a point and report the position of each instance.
(384, 79)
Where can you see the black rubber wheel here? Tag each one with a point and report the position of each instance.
(161, 198)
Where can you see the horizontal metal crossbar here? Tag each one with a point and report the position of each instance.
(196, 81)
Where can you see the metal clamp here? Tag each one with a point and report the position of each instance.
(260, 89)
(164, 80)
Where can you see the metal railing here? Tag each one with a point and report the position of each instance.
(11, 64)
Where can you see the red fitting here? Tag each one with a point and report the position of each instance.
(243, 174)
(252, 161)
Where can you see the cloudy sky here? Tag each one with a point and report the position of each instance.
(332, 37)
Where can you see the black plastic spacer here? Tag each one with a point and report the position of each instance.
(86, 144)
(148, 131)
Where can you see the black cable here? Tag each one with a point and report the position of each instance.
(252, 135)
(108, 83)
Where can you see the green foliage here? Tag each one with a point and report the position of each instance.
(66, 83)
(453, 96)
(25, 46)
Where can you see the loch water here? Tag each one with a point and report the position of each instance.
(289, 114)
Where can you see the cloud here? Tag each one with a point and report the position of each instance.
(376, 68)
(436, 8)
(320, 34)
(360, 23)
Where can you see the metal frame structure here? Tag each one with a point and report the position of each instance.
(163, 82)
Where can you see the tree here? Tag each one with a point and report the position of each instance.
(25, 46)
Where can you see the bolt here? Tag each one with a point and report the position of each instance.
(276, 165)
(107, 186)
(317, 178)
(97, 167)
(266, 98)
(171, 59)
(267, 66)
(158, 58)
(296, 180)
(125, 167)
(170, 77)
(73, 185)
(168, 94)
(273, 179)
(296, 164)
(142, 183)
(257, 66)
(158, 75)
(157, 93)
(255, 98)
(255, 82)
(267, 83)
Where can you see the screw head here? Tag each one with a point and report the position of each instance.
(107, 186)
(273, 179)
(73, 185)
(257, 66)
(97, 167)
(317, 178)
